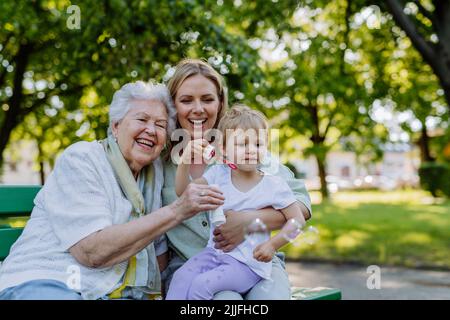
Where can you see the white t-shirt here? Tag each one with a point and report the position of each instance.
(271, 191)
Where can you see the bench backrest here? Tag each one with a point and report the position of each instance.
(15, 201)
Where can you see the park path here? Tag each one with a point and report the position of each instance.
(396, 283)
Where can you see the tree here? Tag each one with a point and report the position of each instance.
(117, 42)
(417, 100)
(427, 24)
(398, 72)
(55, 80)
(403, 79)
(318, 89)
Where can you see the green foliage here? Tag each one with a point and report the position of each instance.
(315, 91)
(435, 177)
(69, 76)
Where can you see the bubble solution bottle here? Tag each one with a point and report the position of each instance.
(217, 217)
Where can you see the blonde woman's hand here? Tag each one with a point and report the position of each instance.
(230, 234)
(193, 152)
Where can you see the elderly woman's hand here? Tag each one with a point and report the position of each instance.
(197, 198)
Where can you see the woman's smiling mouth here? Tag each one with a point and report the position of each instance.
(197, 122)
(144, 143)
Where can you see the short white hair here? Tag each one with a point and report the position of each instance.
(122, 101)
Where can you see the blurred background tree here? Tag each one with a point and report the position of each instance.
(63, 79)
(316, 90)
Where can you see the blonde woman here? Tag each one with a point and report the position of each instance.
(200, 98)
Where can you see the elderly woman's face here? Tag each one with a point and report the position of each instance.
(141, 134)
(197, 102)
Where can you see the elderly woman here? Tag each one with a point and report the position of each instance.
(97, 227)
(200, 97)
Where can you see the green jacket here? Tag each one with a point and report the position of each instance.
(191, 236)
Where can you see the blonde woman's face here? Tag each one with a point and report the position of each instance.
(197, 103)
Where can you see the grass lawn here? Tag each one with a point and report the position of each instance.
(401, 228)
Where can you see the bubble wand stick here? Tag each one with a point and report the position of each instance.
(217, 216)
(210, 152)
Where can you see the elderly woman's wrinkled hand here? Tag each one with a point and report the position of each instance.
(197, 198)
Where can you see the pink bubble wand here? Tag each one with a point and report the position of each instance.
(210, 152)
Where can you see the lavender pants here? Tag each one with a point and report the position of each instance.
(210, 272)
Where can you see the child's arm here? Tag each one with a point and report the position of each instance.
(182, 179)
(265, 251)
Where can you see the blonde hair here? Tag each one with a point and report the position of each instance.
(242, 117)
(191, 67)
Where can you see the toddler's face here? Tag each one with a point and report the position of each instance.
(246, 148)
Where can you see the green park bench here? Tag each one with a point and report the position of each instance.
(17, 201)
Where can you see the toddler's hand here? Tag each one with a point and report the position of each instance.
(264, 252)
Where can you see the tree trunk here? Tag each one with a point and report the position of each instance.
(442, 21)
(41, 163)
(424, 144)
(41, 172)
(13, 115)
(5, 133)
(318, 141)
(436, 55)
(322, 175)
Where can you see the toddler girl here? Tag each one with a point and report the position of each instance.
(245, 188)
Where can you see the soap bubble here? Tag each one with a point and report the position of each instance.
(256, 232)
(297, 234)
(310, 235)
(291, 230)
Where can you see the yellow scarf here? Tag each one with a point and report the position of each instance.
(150, 200)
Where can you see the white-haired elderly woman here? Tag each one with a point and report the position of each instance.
(97, 228)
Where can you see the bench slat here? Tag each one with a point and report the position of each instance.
(318, 293)
(8, 237)
(17, 200)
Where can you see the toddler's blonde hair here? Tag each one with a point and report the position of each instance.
(240, 116)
